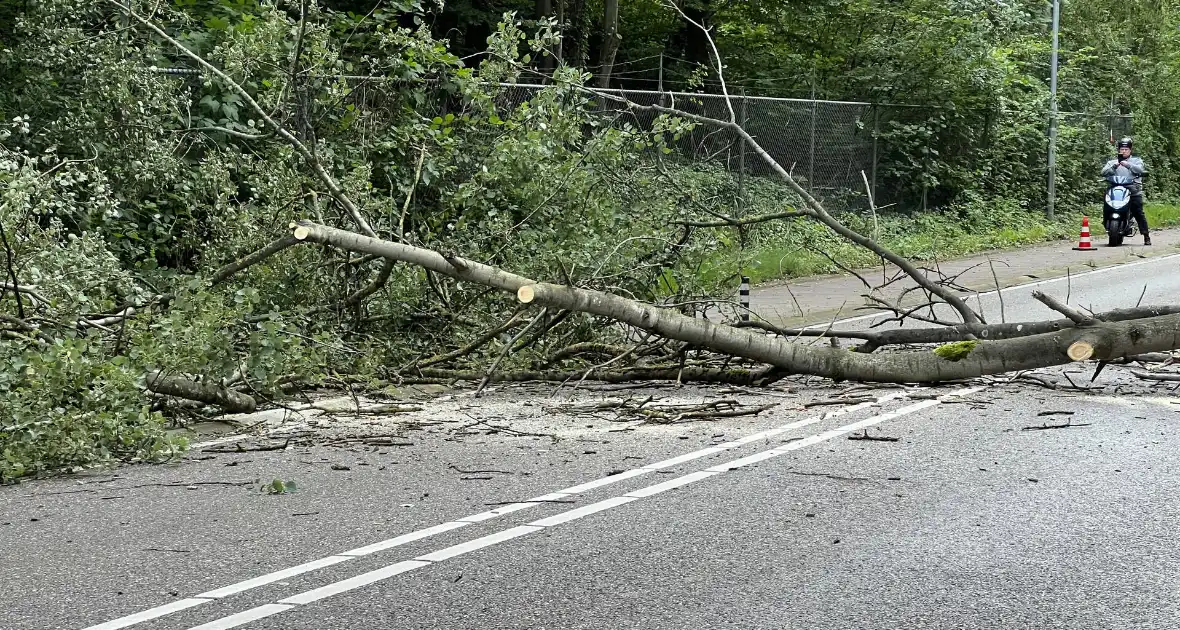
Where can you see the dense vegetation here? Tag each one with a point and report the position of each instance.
(127, 188)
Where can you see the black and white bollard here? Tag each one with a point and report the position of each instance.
(744, 298)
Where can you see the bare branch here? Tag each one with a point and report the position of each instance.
(1073, 314)
(731, 222)
(512, 322)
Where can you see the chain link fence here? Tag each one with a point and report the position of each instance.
(841, 150)
(837, 150)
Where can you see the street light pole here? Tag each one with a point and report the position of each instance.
(1053, 114)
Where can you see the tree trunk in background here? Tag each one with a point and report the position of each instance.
(610, 42)
(578, 34)
(546, 63)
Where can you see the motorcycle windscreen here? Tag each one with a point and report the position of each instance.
(1118, 197)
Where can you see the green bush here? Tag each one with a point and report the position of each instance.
(67, 405)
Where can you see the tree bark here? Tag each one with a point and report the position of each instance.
(610, 43)
(208, 393)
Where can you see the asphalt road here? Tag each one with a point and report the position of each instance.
(976, 516)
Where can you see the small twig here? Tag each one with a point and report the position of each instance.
(1045, 427)
(238, 448)
(999, 291)
(479, 472)
(873, 438)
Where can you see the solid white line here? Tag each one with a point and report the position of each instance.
(500, 511)
(269, 578)
(351, 583)
(605, 481)
(405, 538)
(478, 543)
(571, 515)
(149, 614)
(484, 516)
(670, 484)
(585, 510)
(745, 461)
(1015, 287)
(548, 498)
(687, 457)
(244, 617)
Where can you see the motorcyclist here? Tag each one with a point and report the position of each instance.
(1138, 169)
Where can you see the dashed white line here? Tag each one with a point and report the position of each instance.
(404, 539)
(559, 519)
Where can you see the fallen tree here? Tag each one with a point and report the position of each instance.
(989, 352)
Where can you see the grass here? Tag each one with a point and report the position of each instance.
(798, 249)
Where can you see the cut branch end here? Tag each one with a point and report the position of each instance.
(526, 294)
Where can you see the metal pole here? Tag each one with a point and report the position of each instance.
(811, 153)
(660, 84)
(1053, 114)
(873, 168)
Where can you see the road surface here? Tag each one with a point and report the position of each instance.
(966, 513)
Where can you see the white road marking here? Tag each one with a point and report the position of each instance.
(500, 511)
(549, 498)
(605, 481)
(277, 576)
(149, 614)
(585, 510)
(571, 515)
(351, 583)
(398, 541)
(670, 484)
(1015, 287)
(405, 538)
(244, 617)
(478, 543)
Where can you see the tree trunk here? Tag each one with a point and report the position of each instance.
(1099, 340)
(546, 63)
(610, 42)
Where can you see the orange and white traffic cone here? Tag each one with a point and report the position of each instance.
(1084, 244)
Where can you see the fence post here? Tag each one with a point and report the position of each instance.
(742, 160)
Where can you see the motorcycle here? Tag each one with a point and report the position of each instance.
(1116, 217)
